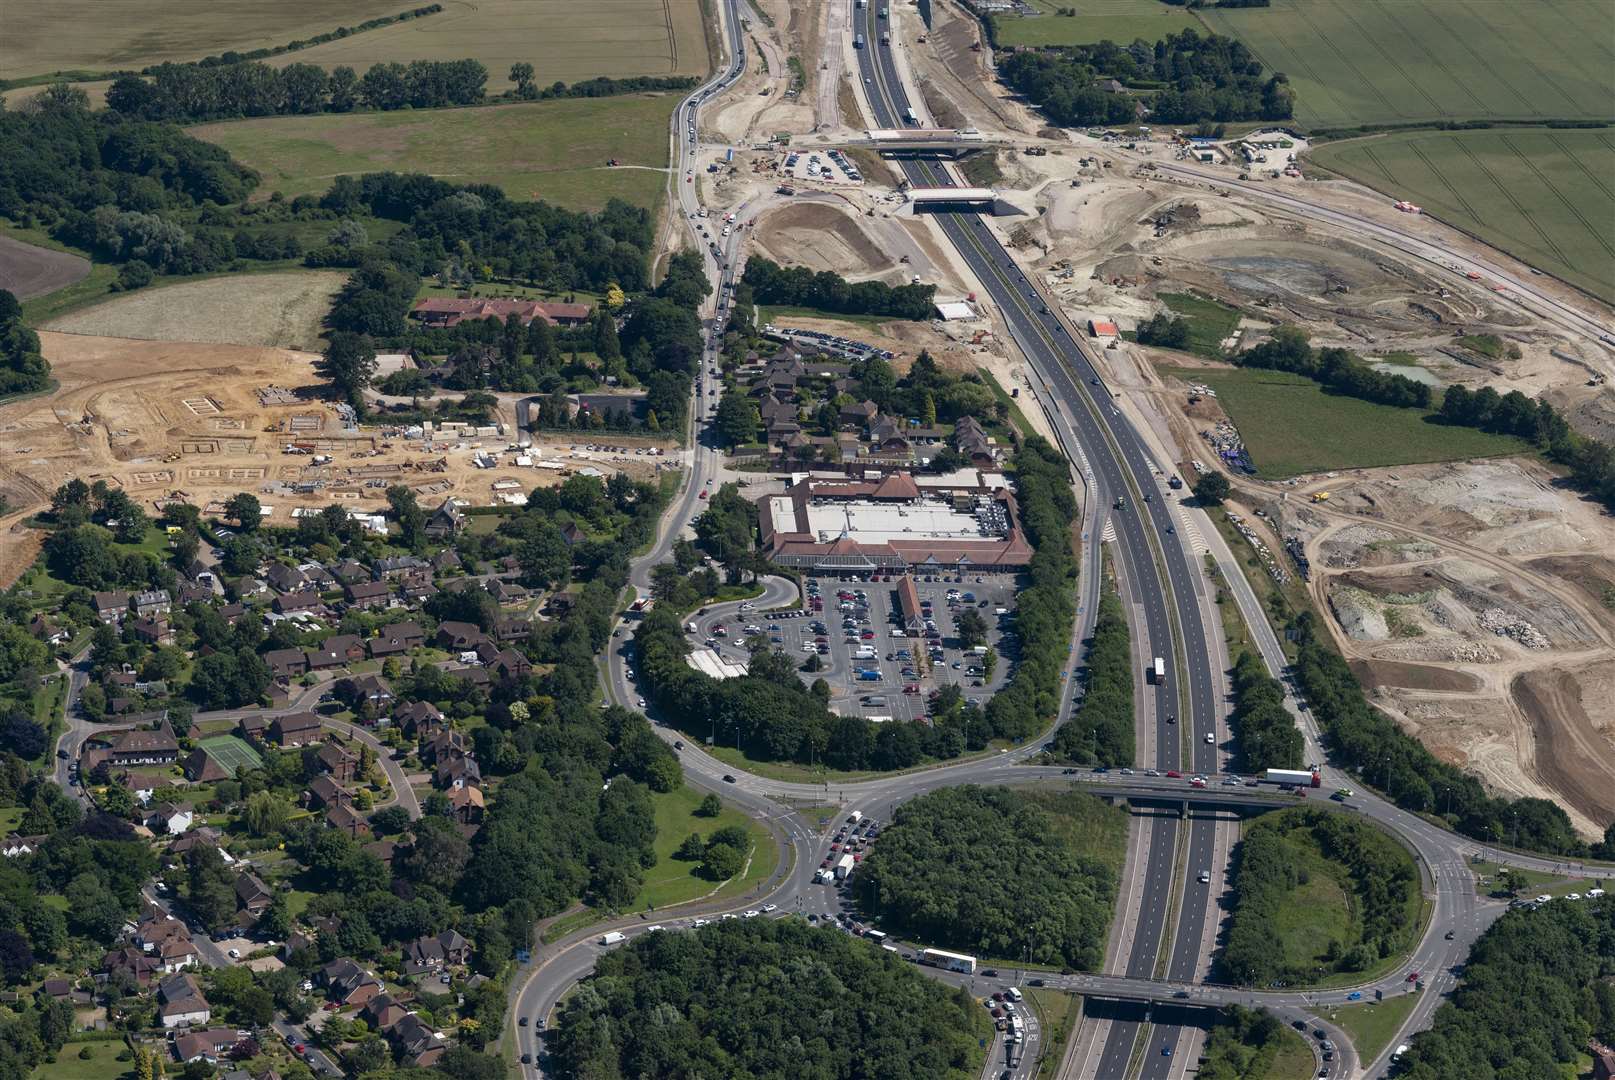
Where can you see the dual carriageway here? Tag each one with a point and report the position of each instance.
(1165, 966)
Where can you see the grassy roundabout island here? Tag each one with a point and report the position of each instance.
(1319, 898)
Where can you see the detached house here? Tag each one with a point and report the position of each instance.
(252, 895)
(395, 639)
(182, 1003)
(110, 606)
(296, 729)
(433, 953)
(445, 521)
(347, 983)
(417, 1044)
(365, 595)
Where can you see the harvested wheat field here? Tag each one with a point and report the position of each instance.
(283, 311)
(136, 33)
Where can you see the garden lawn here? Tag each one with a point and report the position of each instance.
(1292, 426)
(102, 1064)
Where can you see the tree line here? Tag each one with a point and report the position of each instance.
(764, 998)
(23, 368)
(1370, 743)
(1591, 461)
(1101, 730)
(823, 290)
(996, 872)
(1536, 987)
(1271, 862)
(1190, 78)
(1341, 370)
(1045, 608)
(1265, 734)
(189, 93)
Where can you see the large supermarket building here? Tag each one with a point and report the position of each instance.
(965, 522)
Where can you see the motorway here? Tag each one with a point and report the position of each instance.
(1162, 582)
(1129, 481)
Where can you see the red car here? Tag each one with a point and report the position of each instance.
(835, 847)
(1174, 773)
(702, 495)
(1413, 976)
(912, 688)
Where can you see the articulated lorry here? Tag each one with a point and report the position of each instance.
(1298, 777)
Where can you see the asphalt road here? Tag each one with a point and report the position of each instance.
(1114, 460)
(1155, 567)
(1521, 290)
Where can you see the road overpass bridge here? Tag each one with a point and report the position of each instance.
(953, 143)
(955, 200)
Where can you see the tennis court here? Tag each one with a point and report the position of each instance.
(231, 753)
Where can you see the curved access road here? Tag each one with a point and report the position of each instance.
(1519, 289)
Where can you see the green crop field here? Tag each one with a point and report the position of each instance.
(1099, 20)
(553, 150)
(1397, 61)
(1291, 426)
(1545, 196)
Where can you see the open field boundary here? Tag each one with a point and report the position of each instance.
(1364, 61)
(1543, 195)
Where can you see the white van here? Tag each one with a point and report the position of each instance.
(613, 938)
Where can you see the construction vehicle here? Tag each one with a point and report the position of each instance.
(1320, 496)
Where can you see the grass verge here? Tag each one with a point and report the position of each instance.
(1057, 1013)
(673, 882)
(1373, 1024)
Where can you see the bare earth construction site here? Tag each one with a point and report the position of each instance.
(202, 422)
(1472, 597)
